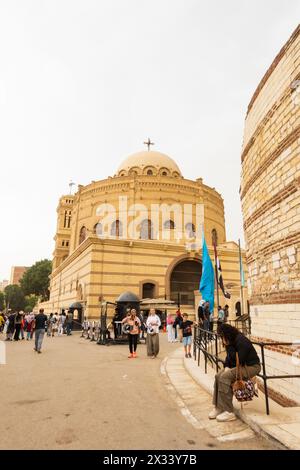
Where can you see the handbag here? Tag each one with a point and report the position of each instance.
(243, 390)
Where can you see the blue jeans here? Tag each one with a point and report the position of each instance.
(206, 325)
(39, 336)
(69, 328)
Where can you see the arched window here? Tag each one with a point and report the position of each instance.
(82, 234)
(116, 229)
(148, 290)
(146, 230)
(164, 172)
(98, 230)
(214, 237)
(169, 225)
(190, 230)
(149, 172)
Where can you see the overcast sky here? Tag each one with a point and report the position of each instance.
(84, 83)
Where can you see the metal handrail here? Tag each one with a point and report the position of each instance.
(208, 343)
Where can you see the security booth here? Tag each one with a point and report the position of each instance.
(111, 316)
(77, 310)
(125, 301)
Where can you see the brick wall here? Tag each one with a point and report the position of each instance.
(270, 196)
(270, 186)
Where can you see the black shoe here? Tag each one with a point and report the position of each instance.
(39, 351)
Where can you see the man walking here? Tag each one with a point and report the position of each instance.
(69, 323)
(40, 321)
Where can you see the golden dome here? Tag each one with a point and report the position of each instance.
(149, 163)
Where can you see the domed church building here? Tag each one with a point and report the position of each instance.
(139, 231)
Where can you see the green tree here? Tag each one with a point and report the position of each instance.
(14, 297)
(2, 302)
(36, 279)
(30, 302)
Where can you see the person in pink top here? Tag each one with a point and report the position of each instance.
(133, 329)
(170, 329)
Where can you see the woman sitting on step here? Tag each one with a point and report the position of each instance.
(234, 342)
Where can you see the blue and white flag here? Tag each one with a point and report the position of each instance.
(207, 283)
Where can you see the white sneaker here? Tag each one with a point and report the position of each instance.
(226, 416)
(214, 413)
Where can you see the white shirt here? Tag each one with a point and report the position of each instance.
(153, 322)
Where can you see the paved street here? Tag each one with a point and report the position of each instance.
(78, 395)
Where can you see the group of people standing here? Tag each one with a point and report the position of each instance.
(206, 317)
(60, 324)
(19, 325)
(132, 324)
(174, 327)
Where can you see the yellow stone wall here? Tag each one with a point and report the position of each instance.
(106, 268)
(146, 190)
(102, 268)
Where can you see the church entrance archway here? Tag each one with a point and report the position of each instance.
(184, 280)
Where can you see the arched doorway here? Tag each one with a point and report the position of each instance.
(76, 308)
(184, 280)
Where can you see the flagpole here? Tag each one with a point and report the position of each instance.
(241, 282)
(216, 274)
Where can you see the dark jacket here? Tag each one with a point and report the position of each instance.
(200, 313)
(178, 321)
(246, 351)
(40, 320)
(206, 313)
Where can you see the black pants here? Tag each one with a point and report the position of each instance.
(132, 342)
(17, 331)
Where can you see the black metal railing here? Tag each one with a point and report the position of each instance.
(242, 323)
(210, 344)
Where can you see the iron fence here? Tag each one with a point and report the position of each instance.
(209, 343)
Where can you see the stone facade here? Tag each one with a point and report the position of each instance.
(89, 266)
(16, 274)
(3, 284)
(270, 195)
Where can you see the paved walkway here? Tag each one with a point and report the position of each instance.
(78, 395)
(195, 402)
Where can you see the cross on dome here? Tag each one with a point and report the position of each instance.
(148, 143)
